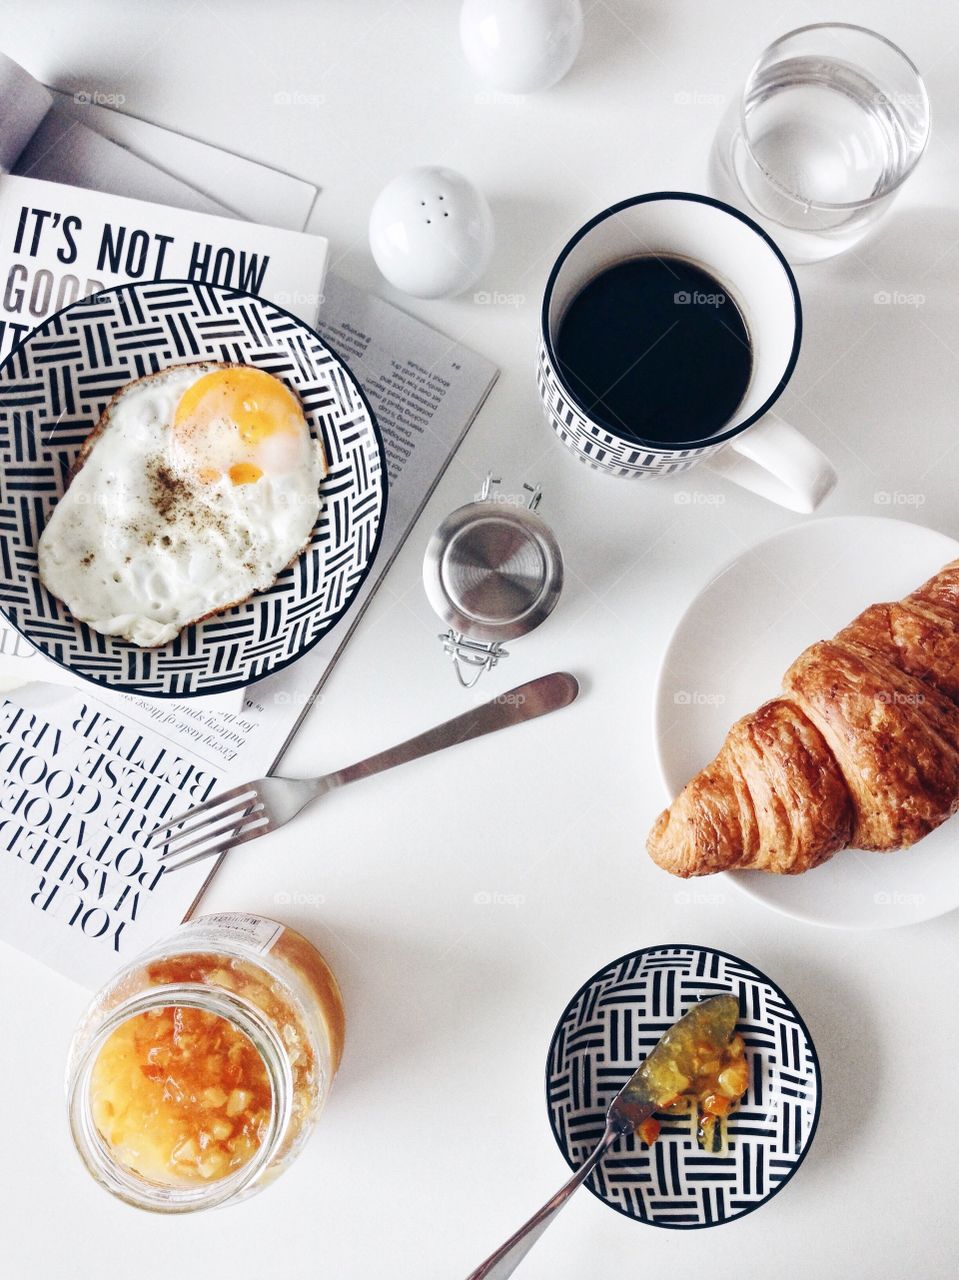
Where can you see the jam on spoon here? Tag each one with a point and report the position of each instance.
(700, 1057)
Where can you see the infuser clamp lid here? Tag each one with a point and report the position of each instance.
(493, 571)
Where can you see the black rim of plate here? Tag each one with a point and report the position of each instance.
(228, 686)
(726, 433)
(708, 951)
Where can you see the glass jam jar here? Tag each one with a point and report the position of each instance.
(198, 1072)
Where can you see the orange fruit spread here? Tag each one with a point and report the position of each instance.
(180, 1095)
(719, 1078)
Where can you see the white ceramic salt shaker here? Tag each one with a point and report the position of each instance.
(521, 46)
(431, 232)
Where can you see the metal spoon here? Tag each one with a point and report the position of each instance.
(713, 1019)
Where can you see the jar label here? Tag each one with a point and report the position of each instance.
(254, 931)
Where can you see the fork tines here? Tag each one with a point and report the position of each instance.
(209, 829)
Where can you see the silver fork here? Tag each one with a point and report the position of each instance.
(257, 808)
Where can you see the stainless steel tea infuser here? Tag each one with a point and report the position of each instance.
(493, 571)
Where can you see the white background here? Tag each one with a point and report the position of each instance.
(435, 1144)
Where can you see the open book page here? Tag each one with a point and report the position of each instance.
(81, 785)
(75, 790)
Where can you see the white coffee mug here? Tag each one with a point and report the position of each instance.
(768, 457)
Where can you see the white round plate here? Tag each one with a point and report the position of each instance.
(728, 654)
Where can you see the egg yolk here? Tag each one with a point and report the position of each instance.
(238, 422)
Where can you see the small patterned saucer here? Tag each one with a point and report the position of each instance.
(614, 1021)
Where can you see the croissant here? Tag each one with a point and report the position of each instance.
(861, 749)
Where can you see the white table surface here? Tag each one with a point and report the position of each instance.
(435, 1144)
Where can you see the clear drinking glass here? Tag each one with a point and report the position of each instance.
(832, 120)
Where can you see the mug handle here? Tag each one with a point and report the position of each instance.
(776, 461)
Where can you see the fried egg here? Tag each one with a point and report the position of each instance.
(198, 485)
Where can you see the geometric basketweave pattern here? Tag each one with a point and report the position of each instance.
(600, 448)
(614, 1021)
(53, 389)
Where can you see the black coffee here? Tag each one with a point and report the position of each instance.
(655, 348)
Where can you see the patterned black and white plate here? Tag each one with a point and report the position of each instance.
(614, 1021)
(54, 387)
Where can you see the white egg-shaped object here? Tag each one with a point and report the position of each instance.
(431, 232)
(521, 46)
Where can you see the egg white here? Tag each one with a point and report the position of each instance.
(137, 547)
